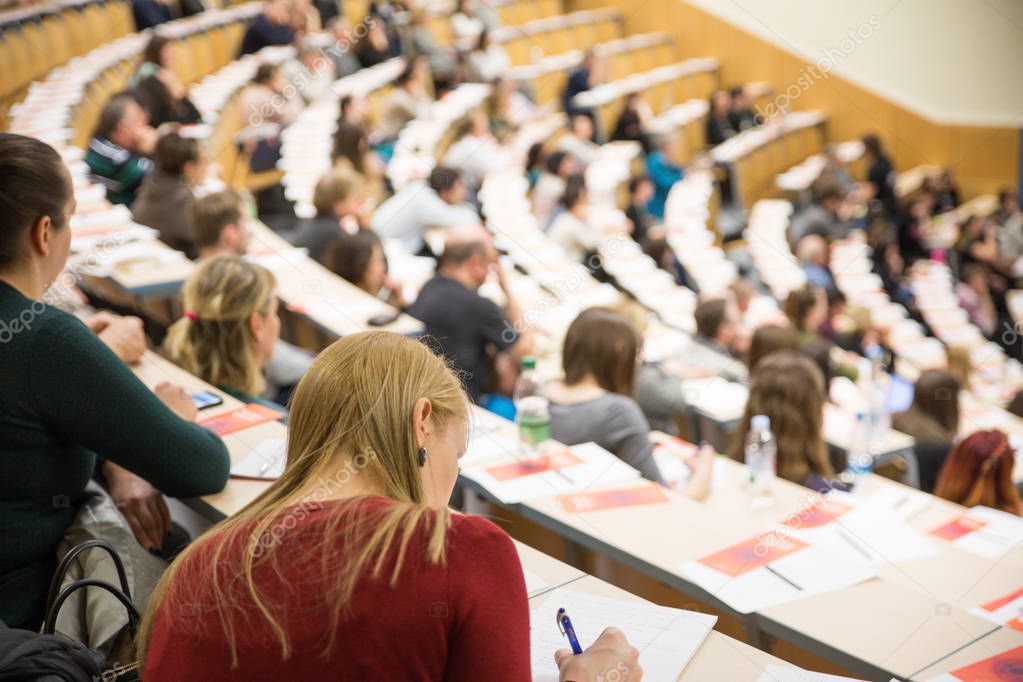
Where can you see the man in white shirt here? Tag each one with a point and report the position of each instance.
(419, 205)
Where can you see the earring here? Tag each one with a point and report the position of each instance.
(422, 456)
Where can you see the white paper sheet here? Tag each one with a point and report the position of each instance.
(667, 638)
(534, 583)
(815, 569)
(868, 531)
(598, 466)
(782, 673)
(1001, 535)
(265, 461)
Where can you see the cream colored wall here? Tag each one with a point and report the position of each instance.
(953, 61)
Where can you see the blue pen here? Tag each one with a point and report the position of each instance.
(565, 626)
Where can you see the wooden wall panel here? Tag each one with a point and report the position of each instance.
(983, 159)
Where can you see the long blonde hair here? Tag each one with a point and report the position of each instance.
(789, 388)
(353, 407)
(214, 340)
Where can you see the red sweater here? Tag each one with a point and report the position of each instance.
(465, 620)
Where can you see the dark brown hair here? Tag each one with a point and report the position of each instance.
(710, 315)
(936, 394)
(789, 389)
(770, 339)
(33, 183)
(349, 254)
(603, 343)
(212, 213)
(173, 151)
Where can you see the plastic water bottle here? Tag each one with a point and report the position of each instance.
(880, 421)
(859, 460)
(761, 461)
(532, 410)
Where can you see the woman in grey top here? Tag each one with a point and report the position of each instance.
(594, 401)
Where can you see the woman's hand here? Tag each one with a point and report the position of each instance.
(177, 399)
(141, 504)
(123, 335)
(611, 652)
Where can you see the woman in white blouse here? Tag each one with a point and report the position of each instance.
(570, 230)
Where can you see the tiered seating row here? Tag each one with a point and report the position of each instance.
(36, 39)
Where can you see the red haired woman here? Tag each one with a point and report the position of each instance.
(979, 471)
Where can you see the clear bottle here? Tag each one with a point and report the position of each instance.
(761, 461)
(532, 411)
(880, 421)
(859, 460)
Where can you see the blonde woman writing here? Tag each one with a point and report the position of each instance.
(351, 566)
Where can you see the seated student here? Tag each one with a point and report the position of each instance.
(550, 186)
(824, 217)
(465, 25)
(418, 206)
(339, 209)
(69, 400)
(656, 246)
(220, 224)
(424, 44)
(376, 45)
(311, 72)
(360, 259)
(594, 402)
(812, 254)
(536, 161)
(475, 152)
(158, 88)
(230, 327)
(589, 74)
(788, 388)
(469, 329)
(488, 61)
(221, 227)
(719, 122)
(741, 114)
(272, 27)
(633, 122)
(150, 13)
(507, 108)
(807, 310)
(770, 339)
(978, 471)
(163, 199)
(119, 149)
(342, 50)
(718, 330)
(880, 173)
(664, 171)
(578, 140)
(571, 229)
(974, 295)
(407, 100)
(265, 99)
(375, 554)
(641, 191)
(933, 421)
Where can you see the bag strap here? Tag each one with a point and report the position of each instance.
(65, 564)
(51, 613)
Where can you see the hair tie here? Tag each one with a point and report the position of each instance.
(192, 317)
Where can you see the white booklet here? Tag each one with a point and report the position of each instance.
(265, 461)
(667, 638)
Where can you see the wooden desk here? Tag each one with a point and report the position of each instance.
(154, 369)
(719, 658)
(1001, 640)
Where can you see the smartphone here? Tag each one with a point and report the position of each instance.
(204, 399)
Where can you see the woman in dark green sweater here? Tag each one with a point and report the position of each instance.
(65, 397)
